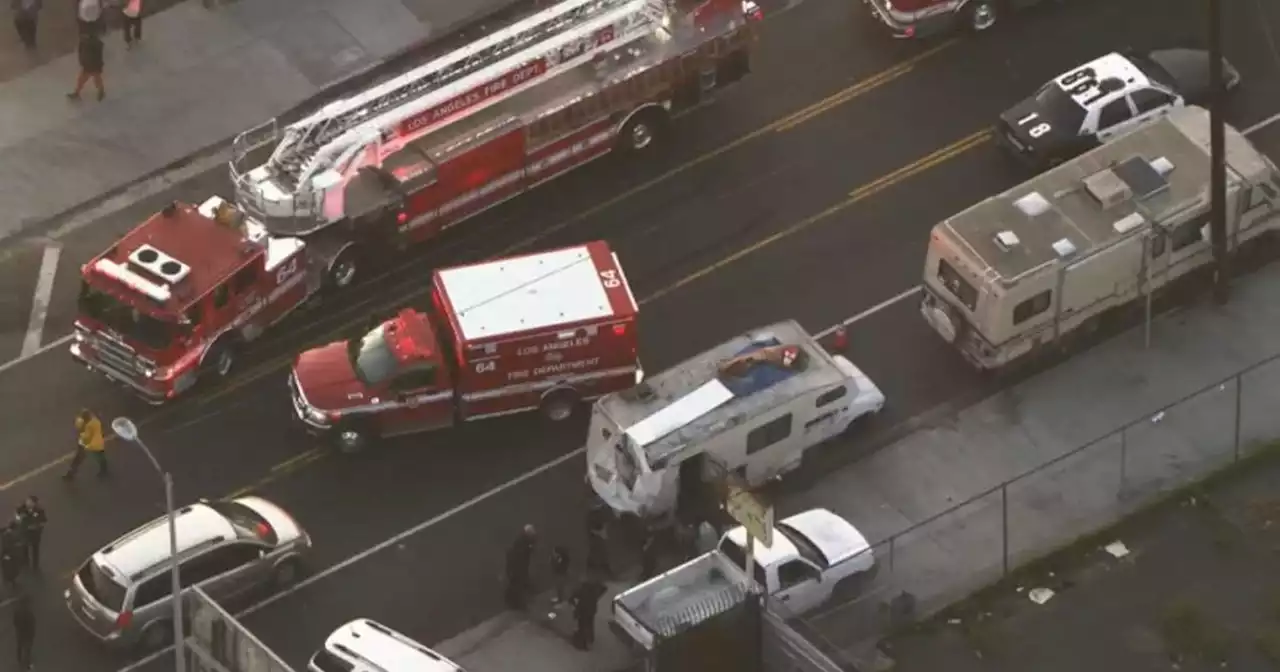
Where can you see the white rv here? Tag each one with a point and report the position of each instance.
(1048, 260)
(751, 405)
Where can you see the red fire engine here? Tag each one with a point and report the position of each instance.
(926, 18)
(176, 298)
(537, 332)
(409, 158)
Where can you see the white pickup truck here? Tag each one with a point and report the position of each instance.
(812, 553)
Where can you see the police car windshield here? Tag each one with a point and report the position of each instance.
(1056, 105)
(373, 361)
(1153, 70)
(126, 320)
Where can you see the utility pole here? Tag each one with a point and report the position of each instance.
(1217, 152)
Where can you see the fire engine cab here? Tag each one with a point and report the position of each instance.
(537, 332)
(176, 298)
(411, 157)
(926, 18)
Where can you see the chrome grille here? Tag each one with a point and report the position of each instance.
(115, 356)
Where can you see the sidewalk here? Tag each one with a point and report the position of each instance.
(201, 76)
(1089, 396)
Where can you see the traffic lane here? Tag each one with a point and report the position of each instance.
(446, 578)
(20, 272)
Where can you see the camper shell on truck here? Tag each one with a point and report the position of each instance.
(541, 331)
(1046, 262)
(750, 405)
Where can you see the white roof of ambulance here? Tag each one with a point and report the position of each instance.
(537, 291)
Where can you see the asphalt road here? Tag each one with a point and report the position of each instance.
(682, 239)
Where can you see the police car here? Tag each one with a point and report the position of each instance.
(1107, 97)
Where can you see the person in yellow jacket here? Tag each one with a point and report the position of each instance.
(90, 440)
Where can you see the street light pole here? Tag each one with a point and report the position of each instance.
(1217, 158)
(125, 429)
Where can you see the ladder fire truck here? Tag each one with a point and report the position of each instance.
(415, 155)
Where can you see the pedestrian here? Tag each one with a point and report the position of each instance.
(89, 16)
(24, 630)
(88, 426)
(518, 558)
(598, 542)
(33, 520)
(649, 556)
(25, 14)
(13, 552)
(132, 11)
(585, 600)
(560, 572)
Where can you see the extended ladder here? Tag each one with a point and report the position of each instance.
(537, 36)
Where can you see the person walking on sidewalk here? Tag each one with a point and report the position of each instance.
(132, 11)
(585, 601)
(24, 630)
(33, 519)
(518, 558)
(89, 16)
(25, 15)
(88, 427)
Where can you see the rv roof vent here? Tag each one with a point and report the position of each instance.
(1064, 247)
(1007, 240)
(1142, 177)
(159, 264)
(1129, 222)
(1033, 204)
(1107, 187)
(1163, 166)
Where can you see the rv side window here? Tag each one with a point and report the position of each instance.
(957, 285)
(1188, 233)
(831, 396)
(1031, 307)
(768, 434)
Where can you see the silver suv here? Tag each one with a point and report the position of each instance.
(121, 594)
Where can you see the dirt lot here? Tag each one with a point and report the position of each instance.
(1198, 590)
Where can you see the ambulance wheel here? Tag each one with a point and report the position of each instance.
(559, 406)
(221, 359)
(351, 439)
(642, 131)
(344, 270)
(982, 15)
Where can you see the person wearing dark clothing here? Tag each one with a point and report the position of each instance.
(585, 600)
(649, 556)
(13, 552)
(24, 630)
(560, 572)
(33, 520)
(131, 11)
(518, 558)
(91, 65)
(25, 15)
(598, 541)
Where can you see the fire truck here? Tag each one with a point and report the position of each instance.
(927, 18)
(416, 155)
(175, 299)
(537, 332)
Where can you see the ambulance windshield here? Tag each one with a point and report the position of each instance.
(372, 358)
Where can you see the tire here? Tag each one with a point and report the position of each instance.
(559, 406)
(287, 573)
(156, 636)
(642, 132)
(981, 15)
(351, 439)
(344, 271)
(220, 361)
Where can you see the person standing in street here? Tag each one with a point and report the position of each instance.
(24, 631)
(518, 558)
(13, 552)
(89, 16)
(88, 426)
(25, 15)
(33, 519)
(585, 601)
(132, 11)
(648, 556)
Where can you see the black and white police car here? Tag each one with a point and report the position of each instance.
(1109, 96)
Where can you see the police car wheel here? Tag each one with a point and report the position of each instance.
(982, 15)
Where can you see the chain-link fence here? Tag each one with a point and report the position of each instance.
(217, 642)
(948, 556)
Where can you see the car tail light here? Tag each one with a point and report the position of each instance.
(263, 530)
(402, 218)
(124, 619)
(619, 329)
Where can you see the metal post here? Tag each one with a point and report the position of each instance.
(1239, 398)
(1004, 525)
(893, 551)
(178, 640)
(1124, 454)
(1146, 326)
(1217, 151)
(751, 565)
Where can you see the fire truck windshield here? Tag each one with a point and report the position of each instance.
(126, 320)
(372, 358)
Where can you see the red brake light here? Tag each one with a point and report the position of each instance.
(262, 530)
(402, 218)
(124, 619)
(910, 31)
(619, 329)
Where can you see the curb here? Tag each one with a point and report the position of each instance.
(333, 90)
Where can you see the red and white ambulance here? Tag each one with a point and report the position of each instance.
(543, 331)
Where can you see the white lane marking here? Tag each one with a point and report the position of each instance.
(869, 312)
(478, 499)
(1262, 124)
(40, 300)
(61, 341)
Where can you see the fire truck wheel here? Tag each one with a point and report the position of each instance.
(344, 270)
(221, 360)
(982, 15)
(642, 132)
(559, 406)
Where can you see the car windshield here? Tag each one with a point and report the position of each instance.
(102, 586)
(372, 358)
(126, 320)
(1152, 69)
(807, 549)
(248, 524)
(1056, 105)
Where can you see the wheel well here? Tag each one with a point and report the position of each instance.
(559, 392)
(230, 339)
(654, 110)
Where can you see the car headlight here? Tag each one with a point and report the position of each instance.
(317, 415)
